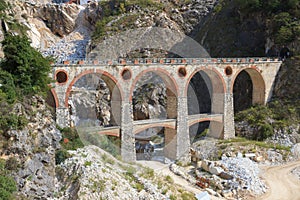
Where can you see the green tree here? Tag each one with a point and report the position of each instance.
(7, 87)
(29, 69)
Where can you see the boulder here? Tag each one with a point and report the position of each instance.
(225, 176)
(258, 158)
(206, 164)
(211, 191)
(215, 170)
(250, 155)
(202, 196)
(227, 194)
(199, 164)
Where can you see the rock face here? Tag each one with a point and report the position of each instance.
(60, 18)
(58, 30)
(296, 150)
(152, 28)
(33, 150)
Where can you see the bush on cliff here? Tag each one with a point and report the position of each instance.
(7, 183)
(28, 68)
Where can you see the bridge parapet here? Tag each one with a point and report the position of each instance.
(167, 61)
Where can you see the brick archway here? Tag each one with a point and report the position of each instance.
(171, 89)
(218, 88)
(191, 123)
(258, 83)
(109, 79)
(153, 126)
(214, 76)
(168, 79)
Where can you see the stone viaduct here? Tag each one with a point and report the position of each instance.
(121, 77)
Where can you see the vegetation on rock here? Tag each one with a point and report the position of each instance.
(23, 72)
(70, 141)
(27, 67)
(7, 183)
(117, 12)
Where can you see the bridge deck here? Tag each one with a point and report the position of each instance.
(112, 130)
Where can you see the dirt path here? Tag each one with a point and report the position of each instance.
(282, 184)
(163, 169)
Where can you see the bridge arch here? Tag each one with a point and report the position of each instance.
(215, 88)
(110, 80)
(165, 75)
(195, 121)
(171, 89)
(257, 85)
(115, 90)
(54, 95)
(137, 131)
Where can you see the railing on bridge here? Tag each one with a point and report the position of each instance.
(168, 61)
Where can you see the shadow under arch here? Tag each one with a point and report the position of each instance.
(55, 102)
(214, 86)
(256, 87)
(212, 128)
(169, 136)
(116, 92)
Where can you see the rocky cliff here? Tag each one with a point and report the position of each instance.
(92, 173)
(31, 151)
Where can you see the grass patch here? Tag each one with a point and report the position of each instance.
(107, 159)
(148, 173)
(245, 142)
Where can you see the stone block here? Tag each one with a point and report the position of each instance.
(211, 191)
(258, 158)
(205, 165)
(215, 170)
(202, 196)
(227, 194)
(250, 155)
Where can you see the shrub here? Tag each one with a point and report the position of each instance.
(73, 142)
(29, 69)
(70, 139)
(7, 183)
(7, 86)
(61, 156)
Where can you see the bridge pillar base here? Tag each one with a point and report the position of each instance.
(62, 117)
(229, 130)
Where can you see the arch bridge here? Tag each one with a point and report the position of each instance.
(122, 75)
